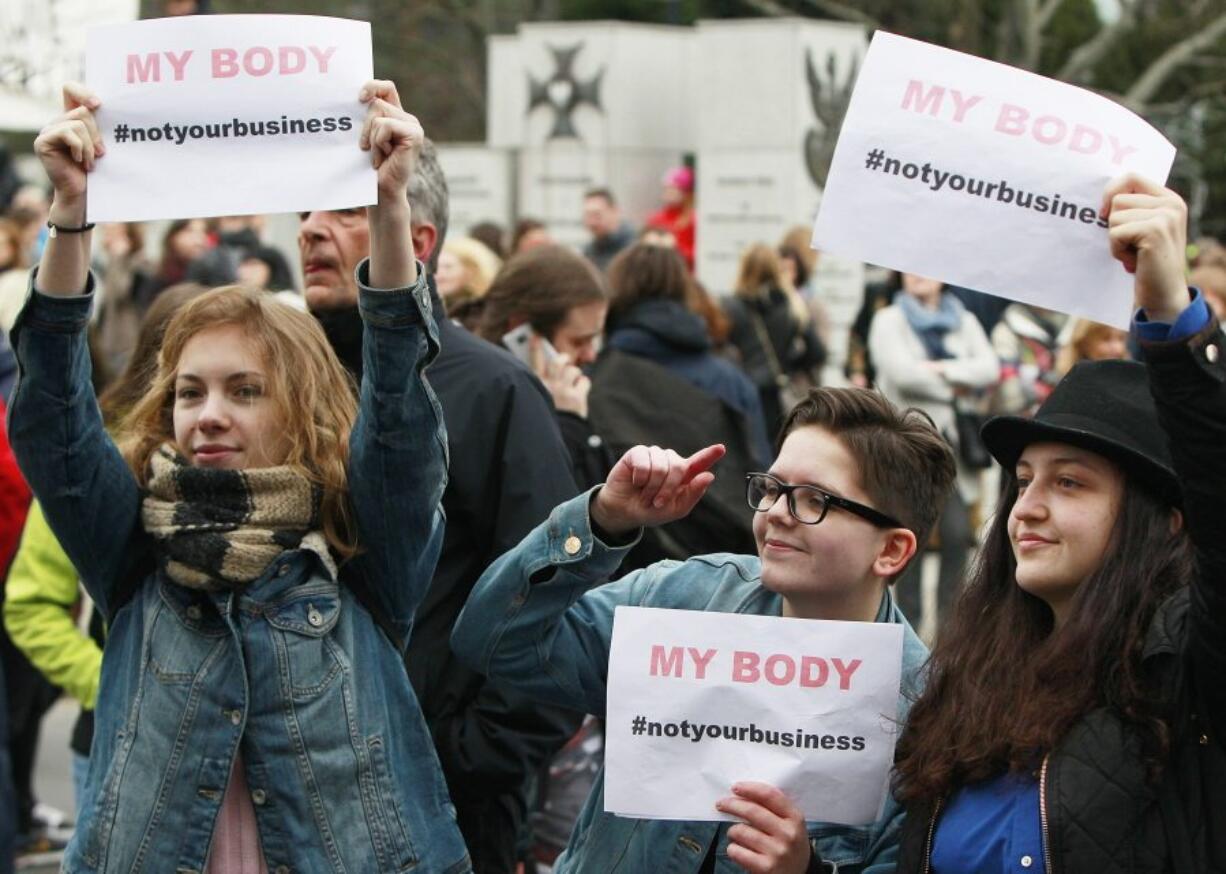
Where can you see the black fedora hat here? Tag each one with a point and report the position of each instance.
(1103, 406)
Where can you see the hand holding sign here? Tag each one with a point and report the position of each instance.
(653, 486)
(773, 838)
(1148, 229)
(392, 136)
(69, 146)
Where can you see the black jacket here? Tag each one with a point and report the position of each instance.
(508, 470)
(666, 332)
(1103, 816)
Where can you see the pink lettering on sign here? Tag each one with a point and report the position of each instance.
(778, 669)
(930, 101)
(670, 661)
(291, 60)
(1052, 130)
(149, 69)
(258, 61)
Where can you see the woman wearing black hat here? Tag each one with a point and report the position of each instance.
(1074, 715)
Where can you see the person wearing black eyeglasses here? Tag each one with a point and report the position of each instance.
(861, 483)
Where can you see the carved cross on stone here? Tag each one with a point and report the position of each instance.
(563, 92)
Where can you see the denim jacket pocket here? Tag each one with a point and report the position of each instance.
(845, 846)
(308, 659)
(384, 817)
(186, 632)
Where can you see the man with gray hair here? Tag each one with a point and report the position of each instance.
(508, 469)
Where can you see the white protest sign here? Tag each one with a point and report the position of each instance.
(229, 115)
(984, 176)
(698, 701)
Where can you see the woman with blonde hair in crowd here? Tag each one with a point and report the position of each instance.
(465, 270)
(1091, 341)
(259, 549)
(774, 332)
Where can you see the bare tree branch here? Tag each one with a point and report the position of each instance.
(843, 12)
(1085, 56)
(769, 8)
(1048, 11)
(1148, 83)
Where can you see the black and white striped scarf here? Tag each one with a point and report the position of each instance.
(220, 529)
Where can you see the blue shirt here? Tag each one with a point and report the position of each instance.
(991, 827)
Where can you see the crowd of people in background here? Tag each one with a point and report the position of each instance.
(554, 363)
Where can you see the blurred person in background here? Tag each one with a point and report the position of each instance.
(29, 209)
(184, 241)
(528, 234)
(603, 220)
(930, 353)
(1027, 340)
(677, 213)
(127, 290)
(493, 235)
(233, 239)
(773, 329)
(1091, 341)
(798, 261)
(12, 254)
(465, 270)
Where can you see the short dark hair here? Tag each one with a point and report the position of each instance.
(602, 193)
(429, 199)
(906, 466)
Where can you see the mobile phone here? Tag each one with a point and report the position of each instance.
(517, 340)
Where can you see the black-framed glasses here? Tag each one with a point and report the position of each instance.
(807, 504)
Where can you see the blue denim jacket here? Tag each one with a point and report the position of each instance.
(292, 670)
(540, 620)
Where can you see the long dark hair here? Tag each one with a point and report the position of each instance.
(1004, 685)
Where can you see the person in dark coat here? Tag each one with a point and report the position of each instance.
(649, 318)
(508, 469)
(1074, 715)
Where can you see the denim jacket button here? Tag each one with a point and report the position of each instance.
(1211, 353)
(282, 869)
(283, 570)
(194, 612)
(315, 617)
(572, 545)
(258, 797)
(236, 716)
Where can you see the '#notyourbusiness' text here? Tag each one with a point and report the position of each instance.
(233, 129)
(999, 191)
(751, 733)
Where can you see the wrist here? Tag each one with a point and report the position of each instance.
(67, 211)
(606, 525)
(390, 204)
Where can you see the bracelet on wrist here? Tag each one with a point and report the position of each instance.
(56, 230)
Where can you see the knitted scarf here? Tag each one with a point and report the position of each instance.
(931, 326)
(221, 529)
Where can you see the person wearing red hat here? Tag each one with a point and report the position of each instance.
(677, 215)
